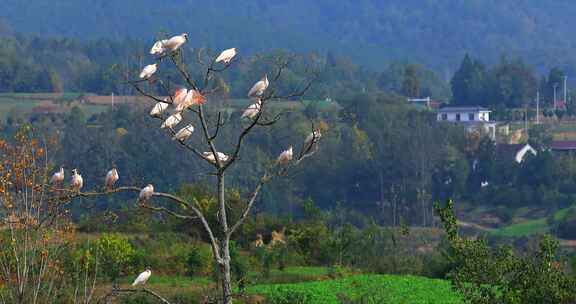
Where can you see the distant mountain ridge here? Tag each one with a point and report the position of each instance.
(372, 32)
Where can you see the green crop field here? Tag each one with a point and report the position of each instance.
(365, 288)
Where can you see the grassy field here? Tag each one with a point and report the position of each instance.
(366, 288)
(530, 227)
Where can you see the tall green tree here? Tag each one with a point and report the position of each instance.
(468, 83)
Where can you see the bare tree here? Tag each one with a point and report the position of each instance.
(211, 121)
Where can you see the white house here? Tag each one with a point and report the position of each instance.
(463, 114)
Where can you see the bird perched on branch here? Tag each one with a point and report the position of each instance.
(183, 134)
(172, 121)
(252, 110)
(143, 277)
(221, 156)
(148, 71)
(111, 178)
(192, 98)
(226, 56)
(312, 138)
(172, 44)
(77, 182)
(58, 177)
(259, 87)
(285, 157)
(159, 108)
(179, 96)
(146, 193)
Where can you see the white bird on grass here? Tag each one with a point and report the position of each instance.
(146, 193)
(285, 157)
(259, 87)
(58, 177)
(252, 110)
(221, 156)
(143, 277)
(172, 121)
(148, 71)
(183, 134)
(159, 108)
(172, 44)
(77, 182)
(192, 98)
(226, 56)
(111, 178)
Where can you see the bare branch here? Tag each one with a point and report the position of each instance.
(116, 291)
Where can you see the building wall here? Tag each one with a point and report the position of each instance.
(464, 116)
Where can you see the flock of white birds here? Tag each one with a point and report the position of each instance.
(182, 100)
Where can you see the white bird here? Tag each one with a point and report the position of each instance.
(148, 71)
(285, 157)
(158, 47)
(111, 178)
(221, 156)
(146, 193)
(259, 87)
(171, 44)
(77, 182)
(171, 121)
(193, 98)
(159, 108)
(57, 177)
(183, 134)
(226, 55)
(142, 277)
(252, 110)
(312, 138)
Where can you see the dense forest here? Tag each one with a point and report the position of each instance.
(436, 33)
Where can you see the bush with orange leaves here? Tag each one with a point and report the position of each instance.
(35, 228)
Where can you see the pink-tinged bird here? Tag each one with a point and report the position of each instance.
(259, 87)
(172, 121)
(285, 157)
(226, 56)
(148, 71)
(77, 182)
(58, 177)
(252, 110)
(193, 98)
(111, 178)
(146, 193)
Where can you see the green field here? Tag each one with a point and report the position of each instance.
(366, 288)
(530, 227)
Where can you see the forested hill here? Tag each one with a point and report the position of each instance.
(372, 32)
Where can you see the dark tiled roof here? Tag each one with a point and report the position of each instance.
(563, 145)
(462, 109)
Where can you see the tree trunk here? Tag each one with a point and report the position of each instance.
(225, 273)
(225, 276)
